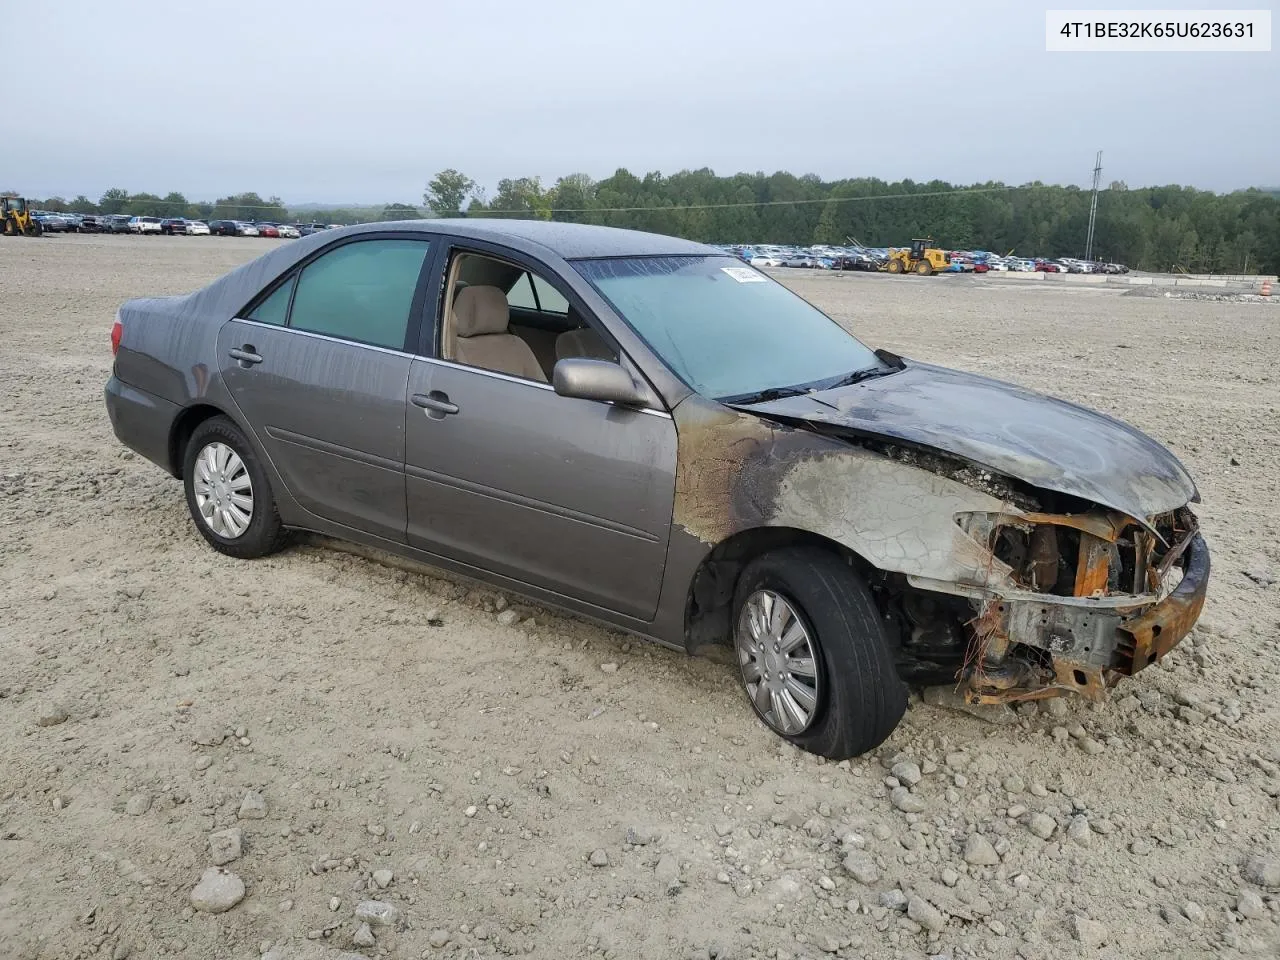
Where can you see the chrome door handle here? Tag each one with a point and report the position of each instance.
(434, 402)
(246, 355)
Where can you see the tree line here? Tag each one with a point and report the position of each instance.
(1155, 228)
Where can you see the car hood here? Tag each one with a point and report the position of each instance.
(1043, 441)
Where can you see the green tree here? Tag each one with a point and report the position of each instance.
(146, 205)
(521, 198)
(54, 205)
(572, 198)
(447, 191)
(400, 211)
(83, 204)
(828, 230)
(249, 206)
(113, 201)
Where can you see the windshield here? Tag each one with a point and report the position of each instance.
(726, 329)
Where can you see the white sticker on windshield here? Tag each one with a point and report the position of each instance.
(745, 274)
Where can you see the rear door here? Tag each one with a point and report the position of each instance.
(318, 366)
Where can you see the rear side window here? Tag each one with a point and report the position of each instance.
(275, 309)
(521, 294)
(533, 293)
(361, 291)
(549, 298)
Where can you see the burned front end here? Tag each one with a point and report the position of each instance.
(1075, 600)
(1051, 551)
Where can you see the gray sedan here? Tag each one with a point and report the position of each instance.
(651, 433)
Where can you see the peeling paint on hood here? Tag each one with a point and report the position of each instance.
(1049, 443)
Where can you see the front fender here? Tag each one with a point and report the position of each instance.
(738, 472)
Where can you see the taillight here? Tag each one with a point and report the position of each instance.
(117, 332)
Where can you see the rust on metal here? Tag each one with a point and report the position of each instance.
(1173, 553)
(1044, 556)
(1156, 632)
(1093, 567)
(1104, 526)
(1087, 681)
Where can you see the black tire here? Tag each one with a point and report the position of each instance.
(924, 268)
(264, 534)
(860, 699)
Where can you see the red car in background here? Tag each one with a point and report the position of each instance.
(1047, 266)
(267, 230)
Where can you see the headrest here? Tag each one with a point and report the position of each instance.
(479, 311)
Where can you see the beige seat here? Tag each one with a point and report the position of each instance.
(583, 342)
(480, 318)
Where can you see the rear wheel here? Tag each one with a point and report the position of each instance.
(812, 654)
(228, 492)
(924, 268)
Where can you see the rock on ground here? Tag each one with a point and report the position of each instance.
(1262, 869)
(1091, 933)
(862, 868)
(217, 892)
(253, 806)
(377, 913)
(925, 914)
(225, 846)
(979, 851)
(1249, 904)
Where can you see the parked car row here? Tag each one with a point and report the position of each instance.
(823, 257)
(981, 262)
(172, 226)
(808, 258)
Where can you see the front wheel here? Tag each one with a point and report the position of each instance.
(228, 492)
(812, 654)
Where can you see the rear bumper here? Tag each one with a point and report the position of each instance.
(142, 421)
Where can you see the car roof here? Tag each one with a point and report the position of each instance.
(568, 240)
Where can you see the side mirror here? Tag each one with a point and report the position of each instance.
(596, 380)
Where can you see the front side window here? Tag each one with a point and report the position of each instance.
(726, 329)
(361, 291)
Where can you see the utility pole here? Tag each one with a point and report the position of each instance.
(1093, 207)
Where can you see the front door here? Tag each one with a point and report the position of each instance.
(571, 495)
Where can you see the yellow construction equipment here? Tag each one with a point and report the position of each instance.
(16, 219)
(919, 258)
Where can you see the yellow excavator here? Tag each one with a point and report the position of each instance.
(16, 219)
(920, 257)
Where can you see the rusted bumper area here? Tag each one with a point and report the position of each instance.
(1030, 648)
(1147, 638)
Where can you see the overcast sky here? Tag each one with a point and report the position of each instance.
(317, 100)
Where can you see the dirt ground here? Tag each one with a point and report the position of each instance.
(550, 788)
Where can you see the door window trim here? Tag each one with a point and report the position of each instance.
(329, 339)
(465, 368)
(417, 305)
